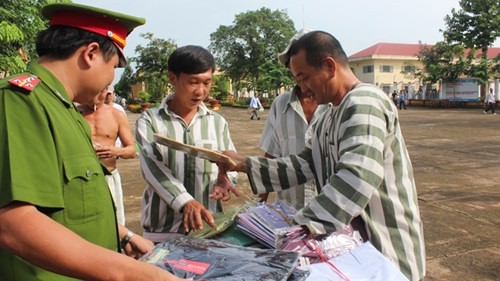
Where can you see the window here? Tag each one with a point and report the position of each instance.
(368, 69)
(386, 68)
(408, 68)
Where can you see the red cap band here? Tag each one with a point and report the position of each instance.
(99, 24)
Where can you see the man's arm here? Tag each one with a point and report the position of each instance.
(267, 175)
(264, 196)
(125, 135)
(136, 245)
(41, 241)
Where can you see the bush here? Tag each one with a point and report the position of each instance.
(134, 108)
(222, 95)
(143, 96)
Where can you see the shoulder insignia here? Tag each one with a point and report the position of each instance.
(27, 82)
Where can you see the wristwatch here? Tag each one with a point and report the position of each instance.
(126, 239)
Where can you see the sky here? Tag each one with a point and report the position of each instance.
(357, 24)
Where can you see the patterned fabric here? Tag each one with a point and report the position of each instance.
(359, 157)
(284, 134)
(174, 177)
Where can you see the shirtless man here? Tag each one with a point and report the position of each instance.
(108, 99)
(107, 124)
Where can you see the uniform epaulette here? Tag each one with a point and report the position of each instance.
(25, 81)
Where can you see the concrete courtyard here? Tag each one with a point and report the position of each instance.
(455, 155)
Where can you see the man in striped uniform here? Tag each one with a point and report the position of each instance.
(176, 199)
(289, 117)
(356, 153)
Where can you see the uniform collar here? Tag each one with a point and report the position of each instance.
(50, 81)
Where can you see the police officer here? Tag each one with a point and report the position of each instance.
(57, 220)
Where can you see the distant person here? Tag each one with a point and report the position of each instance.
(285, 131)
(123, 102)
(255, 106)
(107, 124)
(490, 101)
(57, 220)
(356, 152)
(177, 196)
(109, 100)
(420, 94)
(402, 99)
(395, 97)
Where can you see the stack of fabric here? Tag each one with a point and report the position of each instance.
(205, 259)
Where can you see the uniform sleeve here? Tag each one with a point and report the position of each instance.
(358, 173)
(29, 170)
(154, 170)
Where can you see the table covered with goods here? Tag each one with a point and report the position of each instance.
(259, 241)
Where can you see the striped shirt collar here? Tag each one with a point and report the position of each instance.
(292, 102)
(202, 108)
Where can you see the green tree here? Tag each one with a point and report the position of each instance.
(255, 38)
(443, 61)
(220, 87)
(152, 64)
(20, 23)
(476, 25)
(124, 86)
(273, 77)
(11, 38)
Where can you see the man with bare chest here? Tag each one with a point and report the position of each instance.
(107, 124)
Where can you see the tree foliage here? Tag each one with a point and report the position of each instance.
(273, 77)
(20, 23)
(443, 61)
(476, 25)
(124, 86)
(152, 64)
(220, 87)
(254, 39)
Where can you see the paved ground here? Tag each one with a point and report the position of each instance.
(455, 158)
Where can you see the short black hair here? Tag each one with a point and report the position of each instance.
(318, 45)
(60, 42)
(191, 60)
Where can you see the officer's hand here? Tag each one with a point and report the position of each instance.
(138, 246)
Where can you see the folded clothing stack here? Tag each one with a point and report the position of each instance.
(205, 259)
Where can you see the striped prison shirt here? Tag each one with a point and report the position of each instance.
(358, 156)
(283, 135)
(174, 177)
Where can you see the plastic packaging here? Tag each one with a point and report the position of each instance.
(203, 259)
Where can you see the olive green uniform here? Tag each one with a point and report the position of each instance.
(47, 160)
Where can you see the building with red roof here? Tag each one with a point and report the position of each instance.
(389, 65)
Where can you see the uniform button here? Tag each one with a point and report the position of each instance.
(88, 173)
(188, 130)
